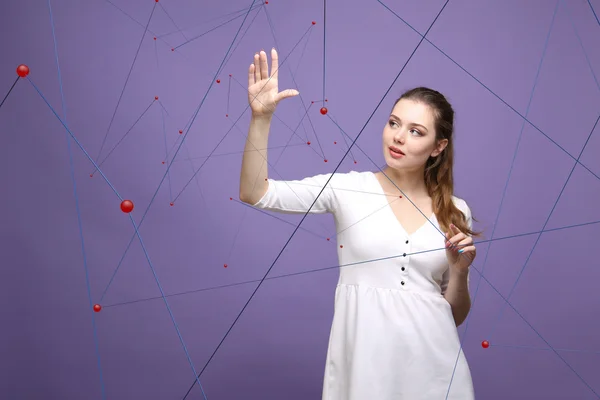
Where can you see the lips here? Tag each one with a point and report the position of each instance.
(397, 150)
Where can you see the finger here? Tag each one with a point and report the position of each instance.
(264, 67)
(286, 93)
(274, 64)
(256, 68)
(468, 249)
(251, 80)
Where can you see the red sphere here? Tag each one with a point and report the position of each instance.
(218, 81)
(485, 344)
(323, 110)
(97, 307)
(22, 70)
(126, 206)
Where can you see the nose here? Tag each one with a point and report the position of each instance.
(400, 136)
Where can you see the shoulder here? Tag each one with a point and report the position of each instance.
(462, 205)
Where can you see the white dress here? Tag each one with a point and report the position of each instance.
(393, 336)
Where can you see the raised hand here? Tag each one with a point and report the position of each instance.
(263, 91)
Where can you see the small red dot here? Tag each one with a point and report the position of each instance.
(328, 239)
(155, 38)
(218, 81)
(172, 49)
(323, 110)
(341, 246)
(97, 307)
(171, 204)
(163, 163)
(91, 175)
(230, 75)
(308, 143)
(334, 142)
(231, 198)
(314, 23)
(156, 1)
(354, 162)
(155, 97)
(224, 265)
(126, 206)
(485, 344)
(226, 115)
(325, 160)
(312, 102)
(22, 70)
(180, 131)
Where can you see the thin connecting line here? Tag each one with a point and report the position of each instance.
(137, 235)
(181, 144)
(126, 80)
(551, 212)
(493, 93)
(78, 211)
(9, 90)
(337, 266)
(306, 214)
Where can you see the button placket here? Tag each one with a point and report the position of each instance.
(404, 268)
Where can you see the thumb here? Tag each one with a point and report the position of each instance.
(287, 93)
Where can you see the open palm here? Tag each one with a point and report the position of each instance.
(263, 88)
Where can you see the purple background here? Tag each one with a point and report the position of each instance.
(484, 55)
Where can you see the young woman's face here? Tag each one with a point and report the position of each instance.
(410, 129)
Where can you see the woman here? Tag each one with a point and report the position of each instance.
(405, 254)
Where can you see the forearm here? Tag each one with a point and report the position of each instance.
(457, 294)
(254, 173)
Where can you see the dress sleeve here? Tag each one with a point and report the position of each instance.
(462, 205)
(297, 196)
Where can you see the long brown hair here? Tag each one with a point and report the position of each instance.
(438, 170)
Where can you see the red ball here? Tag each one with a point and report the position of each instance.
(485, 344)
(323, 110)
(126, 206)
(218, 81)
(97, 307)
(22, 70)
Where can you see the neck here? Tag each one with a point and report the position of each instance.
(410, 183)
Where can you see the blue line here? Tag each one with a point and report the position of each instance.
(535, 82)
(187, 129)
(492, 93)
(196, 376)
(594, 12)
(126, 80)
(324, 44)
(75, 139)
(162, 114)
(137, 233)
(79, 223)
(582, 47)
(549, 216)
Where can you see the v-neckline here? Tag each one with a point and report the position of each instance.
(391, 211)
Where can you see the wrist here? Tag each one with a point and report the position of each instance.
(457, 272)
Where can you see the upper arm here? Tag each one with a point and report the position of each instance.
(298, 196)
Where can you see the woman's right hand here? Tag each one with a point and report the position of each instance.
(263, 94)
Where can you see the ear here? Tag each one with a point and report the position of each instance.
(440, 147)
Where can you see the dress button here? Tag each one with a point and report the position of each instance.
(402, 283)
(407, 242)
(404, 255)
(403, 268)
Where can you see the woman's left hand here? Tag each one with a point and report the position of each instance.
(460, 250)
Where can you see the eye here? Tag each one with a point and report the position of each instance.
(392, 123)
(415, 130)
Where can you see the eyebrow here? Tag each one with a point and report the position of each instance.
(414, 124)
